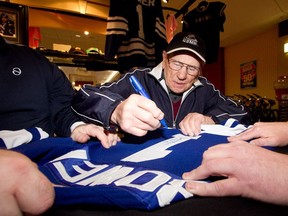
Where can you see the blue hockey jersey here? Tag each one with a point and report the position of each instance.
(139, 172)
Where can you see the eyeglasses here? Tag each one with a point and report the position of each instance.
(176, 65)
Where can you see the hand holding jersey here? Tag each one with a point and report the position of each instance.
(250, 171)
(191, 124)
(265, 134)
(84, 132)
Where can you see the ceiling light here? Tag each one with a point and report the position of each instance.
(82, 6)
(183, 21)
(286, 48)
(165, 1)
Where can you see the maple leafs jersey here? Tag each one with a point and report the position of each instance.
(207, 21)
(139, 172)
(135, 33)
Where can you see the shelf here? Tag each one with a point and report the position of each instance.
(93, 62)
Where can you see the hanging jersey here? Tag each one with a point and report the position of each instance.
(207, 21)
(135, 33)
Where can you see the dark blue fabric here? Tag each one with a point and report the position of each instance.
(35, 134)
(2, 144)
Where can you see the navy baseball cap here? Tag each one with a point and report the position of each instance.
(189, 42)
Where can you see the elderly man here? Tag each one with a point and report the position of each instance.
(178, 94)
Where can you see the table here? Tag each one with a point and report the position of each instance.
(196, 206)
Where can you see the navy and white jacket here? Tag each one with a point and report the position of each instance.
(96, 104)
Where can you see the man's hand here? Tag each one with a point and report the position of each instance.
(83, 133)
(191, 124)
(137, 115)
(247, 170)
(265, 134)
(23, 188)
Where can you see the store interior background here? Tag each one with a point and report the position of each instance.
(251, 32)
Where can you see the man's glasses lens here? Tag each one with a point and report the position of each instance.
(176, 65)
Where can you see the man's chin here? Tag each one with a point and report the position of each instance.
(178, 90)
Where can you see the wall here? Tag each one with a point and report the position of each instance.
(215, 72)
(265, 50)
(282, 57)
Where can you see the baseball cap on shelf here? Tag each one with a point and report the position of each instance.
(77, 50)
(187, 41)
(94, 51)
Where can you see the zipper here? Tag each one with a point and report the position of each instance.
(167, 93)
(182, 102)
(172, 114)
(171, 104)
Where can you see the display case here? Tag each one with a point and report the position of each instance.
(83, 69)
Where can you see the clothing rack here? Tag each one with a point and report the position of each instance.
(184, 8)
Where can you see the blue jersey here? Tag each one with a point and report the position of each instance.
(139, 172)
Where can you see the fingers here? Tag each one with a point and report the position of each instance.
(151, 107)
(256, 131)
(219, 160)
(191, 124)
(191, 128)
(246, 135)
(212, 167)
(263, 134)
(42, 197)
(217, 166)
(107, 139)
(226, 150)
(199, 173)
(137, 115)
(110, 139)
(138, 123)
(225, 187)
(262, 142)
(83, 133)
(32, 190)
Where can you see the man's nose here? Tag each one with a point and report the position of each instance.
(182, 73)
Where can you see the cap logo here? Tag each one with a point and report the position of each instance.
(190, 39)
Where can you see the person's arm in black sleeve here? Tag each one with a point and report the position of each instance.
(60, 97)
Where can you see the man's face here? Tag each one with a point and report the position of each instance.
(180, 71)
